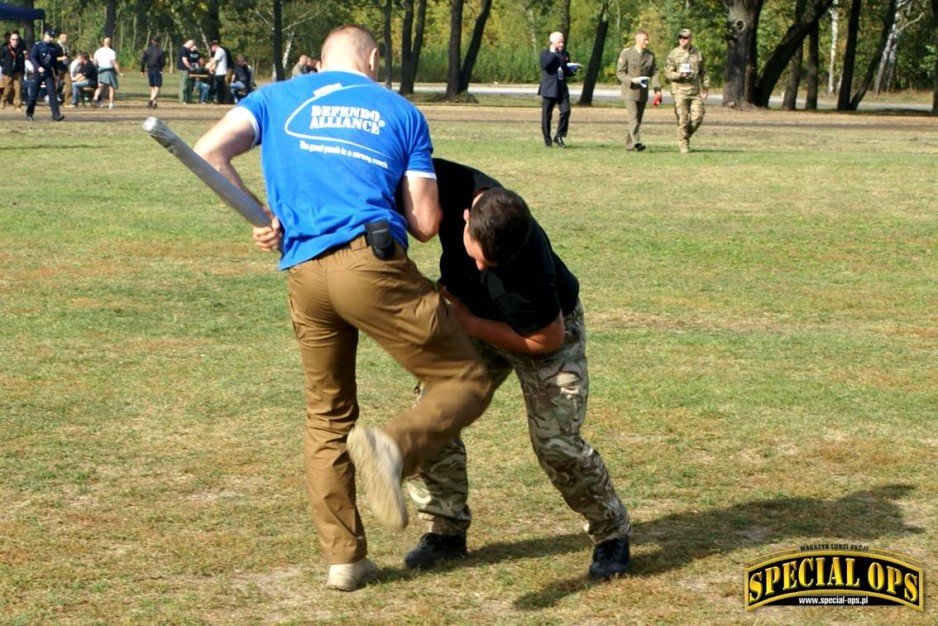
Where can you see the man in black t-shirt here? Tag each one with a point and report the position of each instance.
(520, 304)
(184, 65)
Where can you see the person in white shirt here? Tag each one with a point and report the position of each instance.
(105, 59)
(218, 66)
(74, 65)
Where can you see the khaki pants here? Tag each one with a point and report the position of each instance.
(12, 90)
(332, 298)
(65, 79)
(635, 110)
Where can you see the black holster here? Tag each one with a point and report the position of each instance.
(379, 237)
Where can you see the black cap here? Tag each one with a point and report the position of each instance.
(49, 31)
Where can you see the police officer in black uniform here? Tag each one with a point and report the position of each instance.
(44, 57)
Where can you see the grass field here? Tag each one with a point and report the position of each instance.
(763, 341)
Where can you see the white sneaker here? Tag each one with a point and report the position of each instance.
(110, 105)
(378, 461)
(351, 576)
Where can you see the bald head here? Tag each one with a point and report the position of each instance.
(350, 48)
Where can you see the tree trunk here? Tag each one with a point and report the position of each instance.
(410, 49)
(407, 25)
(418, 39)
(835, 34)
(781, 55)
(565, 19)
(472, 53)
(285, 57)
(886, 59)
(889, 20)
(599, 42)
(811, 81)
(110, 18)
(790, 100)
(213, 20)
(850, 56)
(29, 30)
(279, 73)
(934, 23)
(388, 47)
(742, 21)
(455, 48)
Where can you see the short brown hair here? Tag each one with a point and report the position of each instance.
(501, 222)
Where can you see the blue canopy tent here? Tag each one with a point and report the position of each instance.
(14, 13)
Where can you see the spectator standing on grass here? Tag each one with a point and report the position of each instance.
(195, 58)
(689, 86)
(184, 65)
(64, 77)
(85, 76)
(13, 68)
(520, 305)
(45, 61)
(105, 59)
(342, 281)
(219, 66)
(151, 66)
(555, 69)
(637, 71)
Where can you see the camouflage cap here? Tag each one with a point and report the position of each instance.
(684, 32)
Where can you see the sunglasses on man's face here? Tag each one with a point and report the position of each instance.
(682, 37)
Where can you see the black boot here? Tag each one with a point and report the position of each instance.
(434, 548)
(610, 559)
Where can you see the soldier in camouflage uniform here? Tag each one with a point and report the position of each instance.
(520, 305)
(689, 86)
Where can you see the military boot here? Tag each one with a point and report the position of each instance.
(434, 548)
(610, 559)
(684, 146)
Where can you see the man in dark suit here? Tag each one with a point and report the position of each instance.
(555, 68)
(636, 70)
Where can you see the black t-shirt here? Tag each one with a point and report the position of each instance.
(529, 292)
(90, 71)
(183, 54)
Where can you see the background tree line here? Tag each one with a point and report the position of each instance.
(753, 47)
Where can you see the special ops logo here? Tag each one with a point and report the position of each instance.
(834, 575)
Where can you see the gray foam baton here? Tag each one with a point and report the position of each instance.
(232, 196)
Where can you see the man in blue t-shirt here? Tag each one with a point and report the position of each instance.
(334, 148)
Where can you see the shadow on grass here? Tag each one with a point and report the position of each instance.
(501, 551)
(682, 538)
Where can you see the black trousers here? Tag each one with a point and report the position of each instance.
(33, 95)
(221, 89)
(547, 112)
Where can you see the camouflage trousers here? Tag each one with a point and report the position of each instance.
(689, 110)
(555, 388)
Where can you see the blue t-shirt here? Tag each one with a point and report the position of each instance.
(334, 148)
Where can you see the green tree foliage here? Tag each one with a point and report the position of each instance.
(514, 33)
